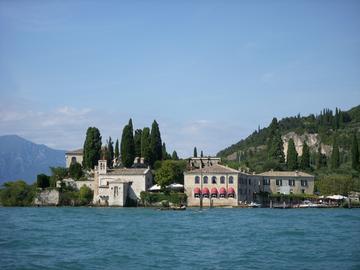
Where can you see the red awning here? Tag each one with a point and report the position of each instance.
(231, 190)
(205, 190)
(197, 190)
(214, 190)
(222, 190)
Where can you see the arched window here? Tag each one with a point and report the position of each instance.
(197, 180)
(213, 180)
(231, 180)
(206, 179)
(222, 180)
(73, 160)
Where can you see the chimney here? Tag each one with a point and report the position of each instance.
(142, 160)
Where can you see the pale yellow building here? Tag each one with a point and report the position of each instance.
(216, 185)
(74, 156)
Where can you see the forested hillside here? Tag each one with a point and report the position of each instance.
(325, 144)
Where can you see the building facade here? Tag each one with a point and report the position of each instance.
(287, 182)
(218, 185)
(73, 156)
(215, 185)
(112, 187)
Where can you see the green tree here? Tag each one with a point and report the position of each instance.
(169, 172)
(335, 156)
(164, 152)
(195, 152)
(75, 171)
(110, 152)
(354, 153)
(145, 145)
(57, 174)
(174, 156)
(201, 153)
(92, 148)
(137, 141)
(337, 184)
(305, 158)
(127, 146)
(17, 193)
(292, 156)
(85, 195)
(117, 152)
(42, 181)
(155, 143)
(276, 151)
(321, 160)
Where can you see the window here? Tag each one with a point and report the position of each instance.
(303, 191)
(116, 191)
(222, 180)
(73, 160)
(266, 181)
(197, 180)
(206, 179)
(249, 181)
(278, 182)
(304, 183)
(291, 183)
(231, 180)
(213, 180)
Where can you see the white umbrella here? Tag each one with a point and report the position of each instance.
(336, 197)
(175, 186)
(155, 188)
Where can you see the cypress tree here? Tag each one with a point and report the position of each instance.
(355, 153)
(110, 152)
(292, 156)
(155, 143)
(117, 153)
(276, 151)
(145, 145)
(195, 152)
(164, 152)
(127, 146)
(174, 156)
(201, 153)
(137, 141)
(335, 156)
(92, 148)
(305, 158)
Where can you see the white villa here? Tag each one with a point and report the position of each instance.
(113, 187)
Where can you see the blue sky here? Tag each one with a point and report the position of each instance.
(209, 72)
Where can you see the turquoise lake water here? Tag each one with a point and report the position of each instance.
(137, 238)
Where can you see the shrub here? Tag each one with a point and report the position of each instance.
(17, 193)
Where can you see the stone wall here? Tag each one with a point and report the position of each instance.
(48, 197)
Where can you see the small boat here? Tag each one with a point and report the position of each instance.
(179, 208)
(254, 205)
(309, 204)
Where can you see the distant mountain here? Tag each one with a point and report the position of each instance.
(316, 130)
(22, 159)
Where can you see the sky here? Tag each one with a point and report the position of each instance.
(209, 72)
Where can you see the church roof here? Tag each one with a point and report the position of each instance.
(216, 168)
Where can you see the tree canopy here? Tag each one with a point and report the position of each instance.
(127, 146)
(355, 153)
(305, 157)
(292, 156)
(155, 143)
(92, 148)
